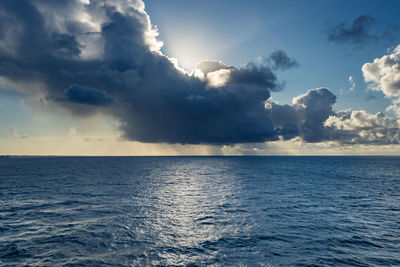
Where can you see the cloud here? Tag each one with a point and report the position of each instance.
(311, 117)
(352, 84)
(363, 30)
(72, 132)
(280, 60)
(305, 117)
(217, 74)
(209, 66)
(87, 95)
(384, 73)
(358, 33)
(394, 108)
(106, 53)
(360, 127)
(19, 136)
(104, 56)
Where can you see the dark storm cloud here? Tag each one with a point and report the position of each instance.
(252, 74)
(117, 63)
(358, 32)
(306, 116)
(86, 95)
(104, 57)
(316, 106)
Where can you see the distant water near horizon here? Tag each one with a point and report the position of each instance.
(196, 211)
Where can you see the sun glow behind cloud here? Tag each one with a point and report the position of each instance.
(191, 45)
(188, 51)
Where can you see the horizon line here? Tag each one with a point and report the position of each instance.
(315, 155)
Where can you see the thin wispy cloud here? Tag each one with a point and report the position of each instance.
(15, 134)
(363, 30)
(357, 32)
(352, 83)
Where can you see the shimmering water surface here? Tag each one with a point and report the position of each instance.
(229, 211)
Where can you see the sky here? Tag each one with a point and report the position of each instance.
(126, 77)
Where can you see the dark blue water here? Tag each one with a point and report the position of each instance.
(228, 211)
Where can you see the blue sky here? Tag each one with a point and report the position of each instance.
(233, 32)
(240, 31)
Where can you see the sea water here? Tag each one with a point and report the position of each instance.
(223, 211)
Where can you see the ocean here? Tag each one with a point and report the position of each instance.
(197, 211)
